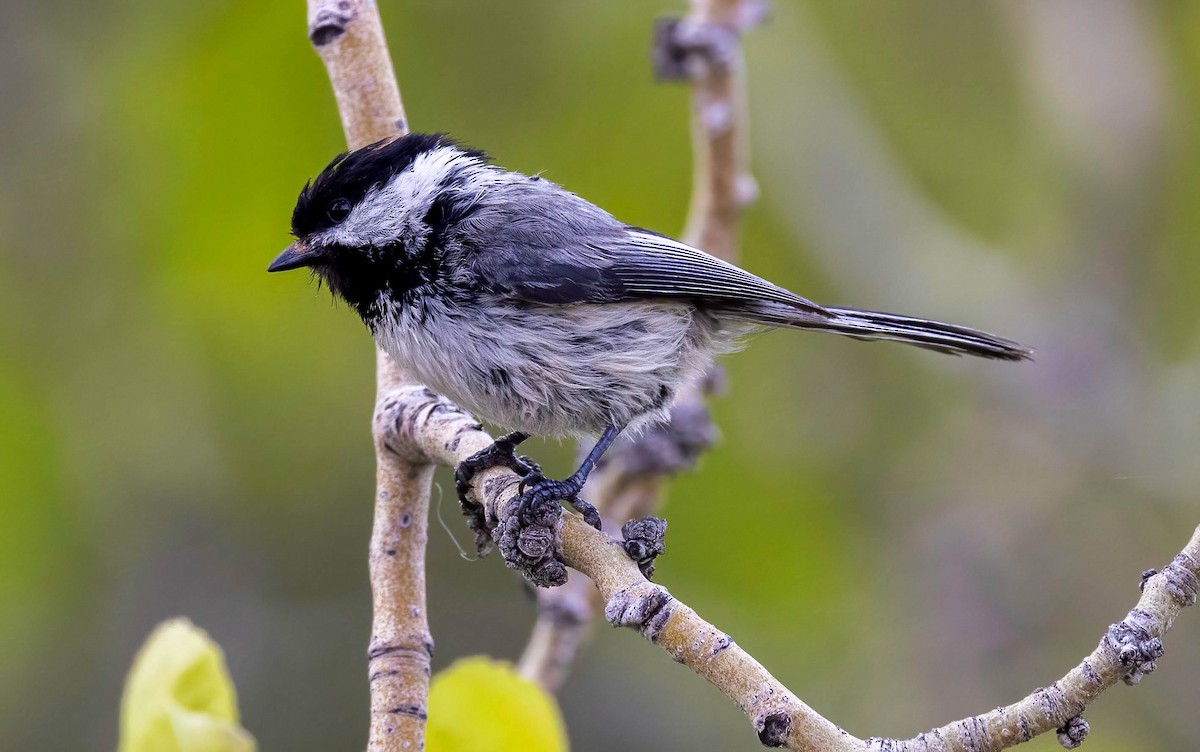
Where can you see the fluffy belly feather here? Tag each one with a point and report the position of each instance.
(555, 370)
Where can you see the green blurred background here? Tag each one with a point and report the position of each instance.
(902, 538)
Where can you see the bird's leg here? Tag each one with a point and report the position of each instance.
(527, 534)
(502, 453)
(536, 489)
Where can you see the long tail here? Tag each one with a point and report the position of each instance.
(875, 325)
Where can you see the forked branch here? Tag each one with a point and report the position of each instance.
(423, 423)
(415, 429)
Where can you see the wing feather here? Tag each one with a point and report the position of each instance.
(635, 265)
(654, 265)
(548, 246)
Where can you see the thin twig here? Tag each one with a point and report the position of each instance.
(423, 423)
(709, 39)
(566, 615)
(565, 619)
(703, 49)
(348, 35)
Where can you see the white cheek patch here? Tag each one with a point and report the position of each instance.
(396, 210)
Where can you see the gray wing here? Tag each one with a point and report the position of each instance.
(552, 247)
(545, 245)
(651, 265)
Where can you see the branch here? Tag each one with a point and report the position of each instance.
(348, 35)
(565, 617)
(705, 49)
(1127, 652)
(566, 614)
(414, 427)
(422, 423)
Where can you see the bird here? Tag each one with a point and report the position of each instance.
(538, 311)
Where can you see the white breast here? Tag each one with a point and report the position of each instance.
(555, 370)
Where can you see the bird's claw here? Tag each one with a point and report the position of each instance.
(502, 453)
(527, 533)
(536, 490)
(590, 514)
(525, 466)
(531, 478)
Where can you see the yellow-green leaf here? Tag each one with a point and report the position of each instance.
(482, 705)
(179, 697)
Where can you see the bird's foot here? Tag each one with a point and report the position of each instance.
(502, 453)
(528, 534)
(541, 489)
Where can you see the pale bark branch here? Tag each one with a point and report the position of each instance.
(348, 35)
(422, 423)
(566, 618)
(414, 429)
(708, 42)
(425, 423)
(566, 615)
(703, 49)
(1127, 652)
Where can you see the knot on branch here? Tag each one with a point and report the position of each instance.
(477, 524)
(643, 606)
(1135, 645)
(1146, 575)
(773, 729)
(527, 537)
(1072, 733)
(685, 48)
(644, 541)
(1179, 578)
(501, 452)
(330, 22)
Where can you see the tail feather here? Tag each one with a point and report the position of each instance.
(876, 325)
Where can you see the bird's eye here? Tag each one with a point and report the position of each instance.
(339, 209)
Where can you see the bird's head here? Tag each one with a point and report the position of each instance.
(359, 224)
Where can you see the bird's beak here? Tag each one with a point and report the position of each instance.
(298, 254)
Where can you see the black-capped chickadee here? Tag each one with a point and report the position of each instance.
(538, 311)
